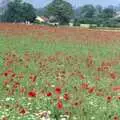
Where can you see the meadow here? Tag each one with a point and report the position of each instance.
(59, 73)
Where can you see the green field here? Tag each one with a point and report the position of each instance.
(67, 81)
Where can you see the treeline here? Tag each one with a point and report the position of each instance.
(89, 14)
(18, 11)
(62, 12)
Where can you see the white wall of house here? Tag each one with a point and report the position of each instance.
(39, 19)
(85, 25)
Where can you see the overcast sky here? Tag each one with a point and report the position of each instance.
(42, 3)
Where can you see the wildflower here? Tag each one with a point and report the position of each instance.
(60, 97)
(64, 117)
(76, 104)
(13, 75)
(6, 82)
(5, 74)
(116, 88)
(115, 117)
(52, 86)
(16, 85)
(91, 90)
(109, 98)
(59, 105)
(22, 111)
(33, 78)
(22, 89)
(84, 86)
(49, 94)
(90, 61)
(32, 94)
(66, 96)
(58, 90)
(113, 75)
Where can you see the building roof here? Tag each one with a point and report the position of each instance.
(42, 18)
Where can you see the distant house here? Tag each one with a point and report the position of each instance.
(88, 25)
(42, 19)
(85, 25)
(71, 24)
(50, 21)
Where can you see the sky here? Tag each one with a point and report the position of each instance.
(76, 3)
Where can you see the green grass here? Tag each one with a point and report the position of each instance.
(90, 106)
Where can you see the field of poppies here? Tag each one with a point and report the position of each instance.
(59, 73)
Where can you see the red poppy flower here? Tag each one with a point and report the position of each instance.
(113, 75)
(91, 90)
(6, 82)
(49, 94)
(13, 75)
(22, 111)
(75, 104)
(58, 90)
(16, 85)
(5, 74)
(22, 89)
(59, 105)
(115, 117)
(66, 96)
(116, 88)
(32, 94)
(84, 86)
(109, 98)
(33, 77)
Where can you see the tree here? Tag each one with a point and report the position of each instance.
(18, 11)
(40, 11)
(99, 10)
(77, 13)
(108, 13)
(60, 9)
(28, 12)
(87, 11)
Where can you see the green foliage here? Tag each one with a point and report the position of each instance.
(18, 11)
(111, 23)
(87, 11)
(88, 14)
(108, 13)
(40, 11)
(60, 9)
